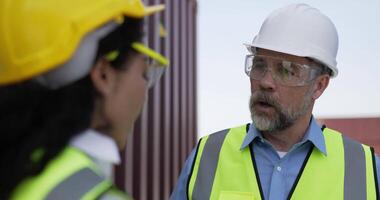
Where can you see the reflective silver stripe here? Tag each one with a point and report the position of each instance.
(355, 170)
(207, 166)
(75, 186)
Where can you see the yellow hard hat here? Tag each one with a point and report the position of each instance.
(39, 35)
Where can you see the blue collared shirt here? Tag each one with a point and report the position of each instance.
(277, 175)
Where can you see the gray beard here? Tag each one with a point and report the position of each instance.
(283, 118)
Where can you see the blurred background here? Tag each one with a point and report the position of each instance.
(206, 89)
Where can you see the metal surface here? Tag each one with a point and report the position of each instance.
(166, 131)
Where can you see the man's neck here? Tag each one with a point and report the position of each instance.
(285, 139)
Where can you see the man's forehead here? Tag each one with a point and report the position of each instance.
(267, 52)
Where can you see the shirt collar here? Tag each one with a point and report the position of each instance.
(313, 134)
(97, 145)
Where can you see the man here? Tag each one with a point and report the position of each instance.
(283, 153)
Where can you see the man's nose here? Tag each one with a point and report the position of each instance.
(267, 82)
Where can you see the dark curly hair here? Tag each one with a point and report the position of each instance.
(37, 123)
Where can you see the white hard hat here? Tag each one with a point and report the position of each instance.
(300, 30)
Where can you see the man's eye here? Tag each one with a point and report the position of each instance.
(286, 72)
(258, 64)
(287, 69)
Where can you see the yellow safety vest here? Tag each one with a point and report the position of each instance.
(72, 175)
(223, 171)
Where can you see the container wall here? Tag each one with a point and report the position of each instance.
(166, 131)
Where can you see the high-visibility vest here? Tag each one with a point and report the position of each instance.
(223, 171)
(71, 175)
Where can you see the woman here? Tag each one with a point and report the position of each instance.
(73, 79)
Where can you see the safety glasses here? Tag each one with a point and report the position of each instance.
(157, 63)
(283, 72)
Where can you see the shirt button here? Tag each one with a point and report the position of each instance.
(278, 168)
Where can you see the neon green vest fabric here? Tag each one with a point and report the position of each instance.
(72, 175)
(221, 170)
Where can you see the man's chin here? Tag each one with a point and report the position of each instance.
(262, 122)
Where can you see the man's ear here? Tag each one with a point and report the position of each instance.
(320, 85)
(103, 76)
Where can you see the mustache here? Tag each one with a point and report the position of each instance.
(262, 97)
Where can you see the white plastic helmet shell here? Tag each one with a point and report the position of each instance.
(300, 30)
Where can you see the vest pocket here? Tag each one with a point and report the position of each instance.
(234, 195)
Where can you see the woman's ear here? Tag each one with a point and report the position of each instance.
(320, 85)
(103, 76)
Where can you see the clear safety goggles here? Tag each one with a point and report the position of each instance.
(157, 63)
(283, 72)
